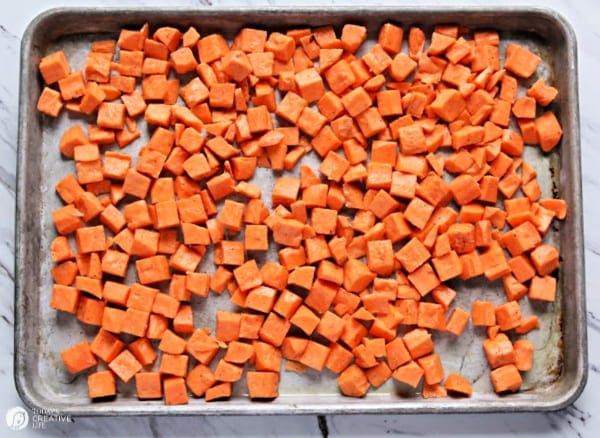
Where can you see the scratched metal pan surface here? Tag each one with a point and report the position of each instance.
(41, 333)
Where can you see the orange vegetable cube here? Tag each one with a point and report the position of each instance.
(101, 384)
(125, 366)
(148, 385)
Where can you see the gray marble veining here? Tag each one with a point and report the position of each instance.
(580, 419)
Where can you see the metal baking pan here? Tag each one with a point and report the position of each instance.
(40, 334)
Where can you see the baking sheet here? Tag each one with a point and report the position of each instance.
(560, 368)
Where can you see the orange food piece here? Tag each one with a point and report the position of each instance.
(483, 313)
(410, 374)
(418, 342)
(458, 321)
(78, 358)
(274, 329)
(549, 131)
(54, 67)
(153, 269)
(521, 61)
(432, 368)
(262, 384)
(125, 366)
(508, 315)
(219, 391)
(524, 351)
(390, 38)
(50, 102)
(305, 319)
(527, 324)
(148, 385)
(175, 391)
(228, 326)
(200, 379)
(353, 382)
(448, 105)
(506, 378)
(174, 364)
(457, 384)
(285, 191)
(499, 351)
(101, 384)
(543, 288)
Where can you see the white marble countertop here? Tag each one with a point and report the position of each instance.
(580, 419)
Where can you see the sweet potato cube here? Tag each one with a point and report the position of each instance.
(101, 384)
(78, 358)
(262, 384)
(153, 269)
(125, 366)
(148, 385)
(175, 391)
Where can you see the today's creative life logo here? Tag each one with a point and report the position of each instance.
(17, 418)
